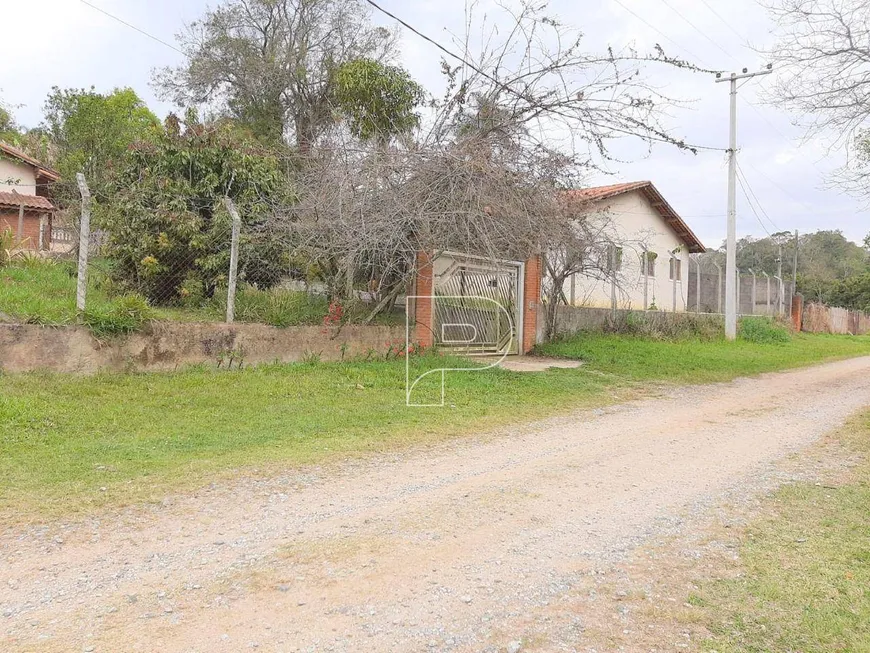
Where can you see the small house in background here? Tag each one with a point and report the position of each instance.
(25, 206)
(651, 247)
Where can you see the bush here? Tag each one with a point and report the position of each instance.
(666, 326)
(276, 307)
(123, 315)
(763, 330)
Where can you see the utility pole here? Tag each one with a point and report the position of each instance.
(794, 268)
(781, 284)
(731, 240)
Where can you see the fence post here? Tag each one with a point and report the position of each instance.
(84, 242)
(613, 257)
(738, 291)
(779, 297)
(719, 289)
(19, 235)
(698, 284)
(645, 271)
(234, 260)
(754, 288)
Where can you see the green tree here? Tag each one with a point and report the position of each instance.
(168, 230)
(852, 293)
(379, 100)
(91, 131)
(272, 62)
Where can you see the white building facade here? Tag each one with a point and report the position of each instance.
(651, 250)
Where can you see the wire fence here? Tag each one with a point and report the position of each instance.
(201, 259)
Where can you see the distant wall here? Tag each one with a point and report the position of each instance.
(712, 298)
(168, 345)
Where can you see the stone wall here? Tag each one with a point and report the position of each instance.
(170, 345)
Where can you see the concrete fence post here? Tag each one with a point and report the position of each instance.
(613, 266)
(234, 259)
(84, 242)
(738, 291)
(779, 298)
(719, 289)
(754, 288)
(767, 276)
(19, 234)
(698, 284)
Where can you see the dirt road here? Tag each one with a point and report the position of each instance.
(468, 546)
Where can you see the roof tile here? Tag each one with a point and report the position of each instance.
(16, 199)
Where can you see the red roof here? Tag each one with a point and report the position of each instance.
(658, 202)
(16, 199)
(41, 170)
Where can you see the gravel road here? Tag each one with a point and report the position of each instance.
(464, 546)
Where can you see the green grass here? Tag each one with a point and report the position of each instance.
(63, 438)
(43, 292)
(806, 579)
(696, 361)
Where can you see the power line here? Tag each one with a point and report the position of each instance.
(749, 201)
(695, 27)
(520, 95)
(755, 197)
(133, 27)
(657, 30)
(727, 24)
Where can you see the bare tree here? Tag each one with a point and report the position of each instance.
(822, 55)
(270, 63)
(521, 121)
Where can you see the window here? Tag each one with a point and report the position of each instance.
(676, 269)
(648, 264)
(614, 258)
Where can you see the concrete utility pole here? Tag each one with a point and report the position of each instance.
(794, 268)
(731, 253)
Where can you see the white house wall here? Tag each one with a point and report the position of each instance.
(21, 176)
(636, 224)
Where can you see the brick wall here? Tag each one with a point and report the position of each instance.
(9, 220)
(532, 297)
(423, 305)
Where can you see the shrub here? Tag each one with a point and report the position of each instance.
(122, 315)
(763, 330)
(279, 308)
(665, 326)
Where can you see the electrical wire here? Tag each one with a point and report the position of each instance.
(755, 197)
(133, 27)
(725, 22)
(751, 206)
(658, 31)
(695, 27)
(513, 91)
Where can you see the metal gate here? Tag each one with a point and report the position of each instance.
(476, 304)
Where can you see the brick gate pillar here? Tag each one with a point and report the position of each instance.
(797, 311)
(531, 302)
(423, 286)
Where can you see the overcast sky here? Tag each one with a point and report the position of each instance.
(78, 47)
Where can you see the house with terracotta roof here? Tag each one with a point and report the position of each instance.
(25, 205)
(650, 248)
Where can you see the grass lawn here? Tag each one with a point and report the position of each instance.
(695, 361)
(69, 443)
(806, 570)
(42, 292)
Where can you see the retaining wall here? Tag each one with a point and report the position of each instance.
(169, 345)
